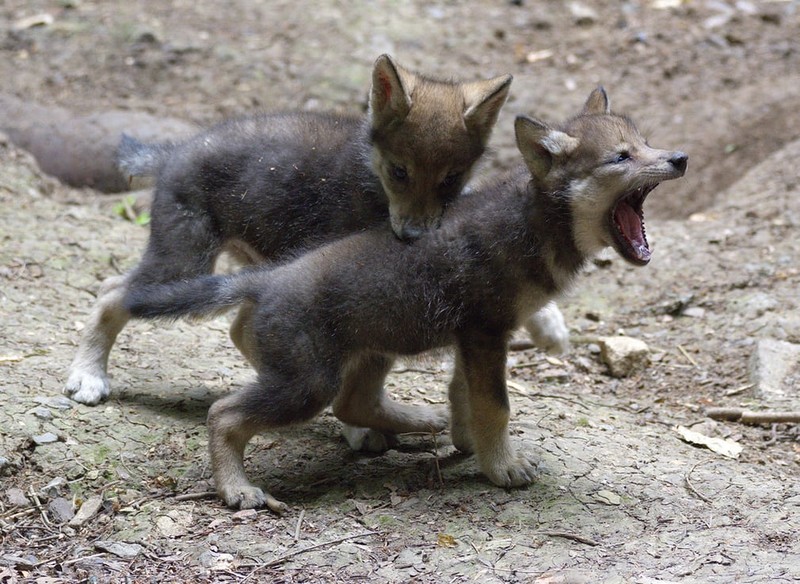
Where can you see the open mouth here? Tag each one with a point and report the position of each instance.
(627, 225)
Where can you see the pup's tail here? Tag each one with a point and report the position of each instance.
(135, 158)
(201, 297)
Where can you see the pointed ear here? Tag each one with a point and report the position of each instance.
(482, 103)
(390, 99)
(598, 102)
(540, 145)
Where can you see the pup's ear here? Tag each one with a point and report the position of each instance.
(598, 102)
(540, 145)
(390, 98)
(482, 103)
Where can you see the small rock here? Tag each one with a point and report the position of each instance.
(694, 312)
(584, 15)
(244, 515)
(61, 510)
(119, 548)
(29, 561)
(608, 497)
(772, 364)
(88, 510)
(42, 413)
(16, 498)
(46, 438)
(215, 561)
(624, 355)
(58, 402)
(53, 488)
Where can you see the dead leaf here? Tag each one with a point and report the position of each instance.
(725, 447)
(446, 540)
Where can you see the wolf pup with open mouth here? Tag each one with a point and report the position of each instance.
(330, 323)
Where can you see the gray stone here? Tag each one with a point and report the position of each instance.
(61, 510)
(88, 510)
(624, 355)
(119, 548)
(775, 370)
(53, 488)
(16, 498)
(46, 438)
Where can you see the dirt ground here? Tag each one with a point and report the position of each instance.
(622, 498)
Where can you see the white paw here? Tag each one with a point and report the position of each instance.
(86, 387)
(365, 439)
(548, 330)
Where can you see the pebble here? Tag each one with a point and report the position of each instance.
(53, 488)
(61, 510)
(771, 367)
(624, 355)
(119, 548)
(16, 498)
(46, 438)
(88, 510)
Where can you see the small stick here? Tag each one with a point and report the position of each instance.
(195, 496)
(572, 536)
(290, 555)
(690, 486)
(39, 507)
(738, 390)
(687, 355)
(299, 523)
(750, 417)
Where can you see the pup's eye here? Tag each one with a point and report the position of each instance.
(399, 173)
(451, 179)
(621, 157)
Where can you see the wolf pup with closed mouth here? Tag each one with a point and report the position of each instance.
(330, 323)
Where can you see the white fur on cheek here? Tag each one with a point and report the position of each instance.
(591, 233)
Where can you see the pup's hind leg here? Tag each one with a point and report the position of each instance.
(88, 379)
(234, 419)
(363, 402)
(182, 245)
(242, 334)
(460, 420)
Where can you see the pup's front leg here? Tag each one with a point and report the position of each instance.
(484, 366)
(230, 427)
(371, 418)
(547, 329)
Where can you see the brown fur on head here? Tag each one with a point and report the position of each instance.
(602, 161)
(427, 135)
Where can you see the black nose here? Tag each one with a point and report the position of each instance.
(679, 160)
(411, 232)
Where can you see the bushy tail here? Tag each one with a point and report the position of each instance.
(205, 296)
(135, 158)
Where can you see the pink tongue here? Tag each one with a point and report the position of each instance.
(631, 225)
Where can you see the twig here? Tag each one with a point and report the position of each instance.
(738, 390)
(299, 523)
(290, 555)
(687, 355)
(690, 486)
(195, 496)
(750, 417)
(572, 536)
(436, 460)
(39, 507)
